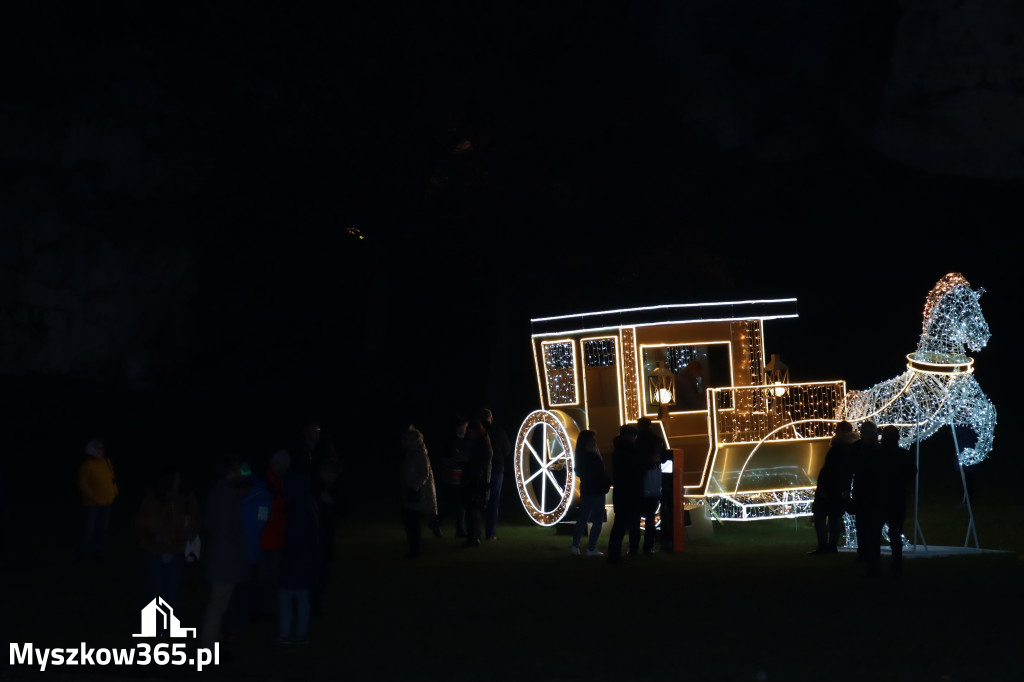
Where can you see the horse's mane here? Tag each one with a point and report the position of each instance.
(941, 288)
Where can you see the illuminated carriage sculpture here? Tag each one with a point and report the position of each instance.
(753, 442)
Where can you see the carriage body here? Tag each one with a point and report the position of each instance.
(752, 450)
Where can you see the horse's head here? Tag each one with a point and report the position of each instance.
(952, 321)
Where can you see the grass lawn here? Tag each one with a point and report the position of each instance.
(746, 603)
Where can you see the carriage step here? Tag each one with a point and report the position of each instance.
(774, 504)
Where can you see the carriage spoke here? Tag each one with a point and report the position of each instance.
(543, 493)
(554, 481)
(534, 475)
(534, 453)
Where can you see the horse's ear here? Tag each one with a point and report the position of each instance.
(980, 291)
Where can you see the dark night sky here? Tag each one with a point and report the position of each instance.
(502, 163)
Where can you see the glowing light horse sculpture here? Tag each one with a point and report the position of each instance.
(938, 387)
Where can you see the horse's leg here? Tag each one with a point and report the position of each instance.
(978, 413)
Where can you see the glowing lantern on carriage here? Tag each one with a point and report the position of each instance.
(776, 376)
(661, 388)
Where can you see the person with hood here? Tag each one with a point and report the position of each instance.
(419, 497)
(98, 487)
(594, 486)
(832, 494)
(628, 482)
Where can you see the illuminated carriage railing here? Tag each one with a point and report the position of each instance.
(768, 442)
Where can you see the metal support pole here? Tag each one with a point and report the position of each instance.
(917, 484)
(967, 498)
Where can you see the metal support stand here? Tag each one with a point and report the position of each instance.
(967, 498)
(917, 485)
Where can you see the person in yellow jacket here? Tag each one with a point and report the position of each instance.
(98, 487)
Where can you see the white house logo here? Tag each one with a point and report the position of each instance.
(158, 616)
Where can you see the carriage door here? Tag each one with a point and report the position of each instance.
(602, 389)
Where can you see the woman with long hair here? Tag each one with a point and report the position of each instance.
(594, 486)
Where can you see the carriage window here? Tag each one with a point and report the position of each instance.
(696, 368)
(600, 377)
(599, 353)
(560, 372)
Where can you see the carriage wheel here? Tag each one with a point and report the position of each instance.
(544, 465)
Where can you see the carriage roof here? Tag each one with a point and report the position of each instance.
(678, 313)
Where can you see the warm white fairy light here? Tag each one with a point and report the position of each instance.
(769, 504)
(630, 383)
(544, 446)
(560, 372)
(939, 386)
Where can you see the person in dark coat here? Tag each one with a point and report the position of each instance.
(831, 496)
(898, 470)
(300, 556)
(868, 496)
(502, 448)
(594, 486)
(329, 497)
(652, 453)
(628, 480)
(225, 558)
(450, 470)
(476, 480)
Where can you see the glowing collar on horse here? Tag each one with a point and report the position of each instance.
(938, 387)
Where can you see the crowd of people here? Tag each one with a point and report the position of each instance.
(265, 543)
(638, 487)
(461, 488)
(867, 478)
